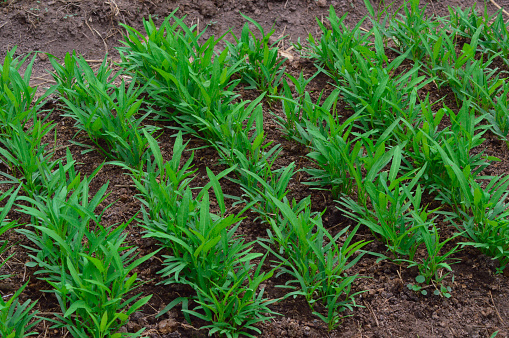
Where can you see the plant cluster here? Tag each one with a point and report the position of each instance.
(203, 248)
(262, 67)
(108, 113)
(88, 266)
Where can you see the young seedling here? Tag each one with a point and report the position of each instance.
(182, 72)
(262, 66)
(315, 261)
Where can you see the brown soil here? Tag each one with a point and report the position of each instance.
(480, 302)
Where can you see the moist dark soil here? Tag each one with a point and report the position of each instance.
(479, 305)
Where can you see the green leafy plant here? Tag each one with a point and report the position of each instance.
(498, 40)
(262, 65)
(72, 75)
(275, 184)
(92, 294)
(485, 86)
(337, 45)
(182, 74)
(498, 114)
(54, 174)
(473, 78)
(367, 158)
(18, 102)
(394, 202)
(459, 164)
(411, 28)
(204, 250)
(251, 158)
(234, 306)
(418, 288)
(465, 23)
(467, 75)
(303, 111)
(419, 150)
(432, 266)
(163, 184)
(203, 247)
(481, 211)
(281, 232)
(66, 215)
(107, 113)
(87, 265)
(293, 107)
(331, 153)
(26, 156)
(426, 142)
(482, 215)
(455, 147)
(421, 286)
(16, 319)
(381, 97)
(257, 161)
(243, 146)
(315, 262)
(208, 256)
(5, 223)
(232, 127)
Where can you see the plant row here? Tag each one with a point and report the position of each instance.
(396, 145)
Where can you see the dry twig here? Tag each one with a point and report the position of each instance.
(372, 313)
(499, 7)
(496, 310)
